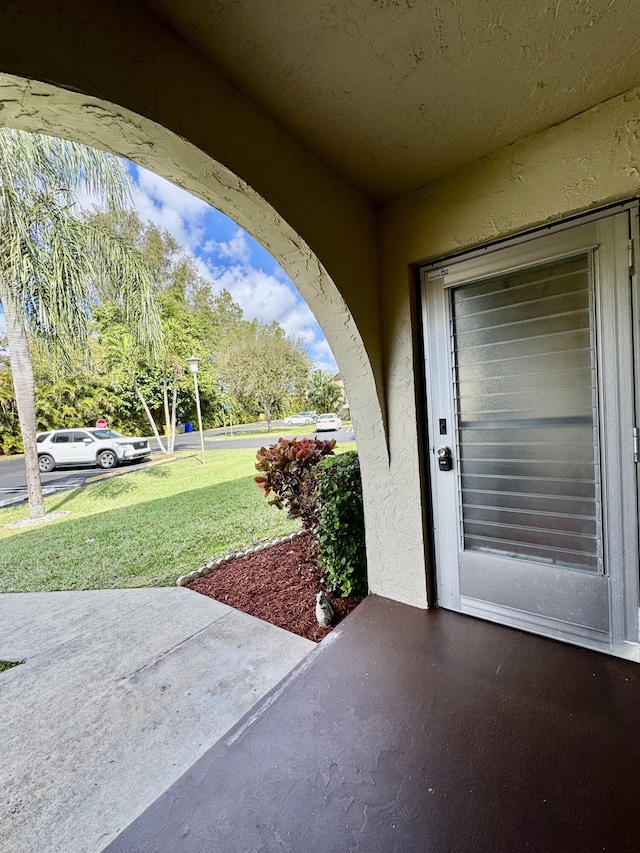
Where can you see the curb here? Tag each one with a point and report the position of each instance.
(211, 565)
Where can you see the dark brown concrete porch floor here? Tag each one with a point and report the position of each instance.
(421, 731)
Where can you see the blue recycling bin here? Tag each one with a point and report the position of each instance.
(188, 427)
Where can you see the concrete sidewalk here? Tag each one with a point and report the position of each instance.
(121, 692)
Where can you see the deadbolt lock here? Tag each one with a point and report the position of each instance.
(445, 460)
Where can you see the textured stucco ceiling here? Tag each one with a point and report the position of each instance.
(395, 93)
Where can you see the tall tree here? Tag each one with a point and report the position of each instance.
(54, 265)
(9, 440)
(194, 322)
(323, 393)
(260, 363)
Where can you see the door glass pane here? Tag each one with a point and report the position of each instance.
(525, 381)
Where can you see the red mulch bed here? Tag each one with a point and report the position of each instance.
(278, 585)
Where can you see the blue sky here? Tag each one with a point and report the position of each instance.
(228, 258)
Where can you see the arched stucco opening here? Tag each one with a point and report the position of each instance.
(46, 109)
(39, 107)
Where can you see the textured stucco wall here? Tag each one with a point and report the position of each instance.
(586, 162)
(132, 86)
(39, 107)
(454, 81)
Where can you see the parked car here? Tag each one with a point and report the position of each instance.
(301, 419)
(107, 448)
(328, 421)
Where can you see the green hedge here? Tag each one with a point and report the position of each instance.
(339, 532)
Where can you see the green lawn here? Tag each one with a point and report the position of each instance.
(261, 432)
(141, 529)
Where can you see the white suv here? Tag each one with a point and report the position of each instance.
(104, 447)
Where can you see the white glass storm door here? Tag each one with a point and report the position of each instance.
(531, 417)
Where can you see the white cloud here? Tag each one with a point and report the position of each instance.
(235, 249)
(265, 297)
(300, 322)
(166, 194)
(162, 203)
(280, 273)
(323, 348)
(326, 366)
(324, 360)
(86, 201)
(170, 208)
(262, 296)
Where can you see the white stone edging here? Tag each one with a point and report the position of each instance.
(211, 565)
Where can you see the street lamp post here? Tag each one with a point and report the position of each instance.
(193, 367)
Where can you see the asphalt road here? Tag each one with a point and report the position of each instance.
(13, 488)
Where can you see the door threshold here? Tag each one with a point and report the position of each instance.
(552, 629)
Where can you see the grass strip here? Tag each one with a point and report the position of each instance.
(7, 664)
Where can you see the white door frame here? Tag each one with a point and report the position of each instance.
(616, 321)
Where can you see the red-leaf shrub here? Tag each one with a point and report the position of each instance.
(289, 474)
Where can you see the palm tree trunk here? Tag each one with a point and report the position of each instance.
(165, 399)
(149, 417)
(24, 390)
(174, 404)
